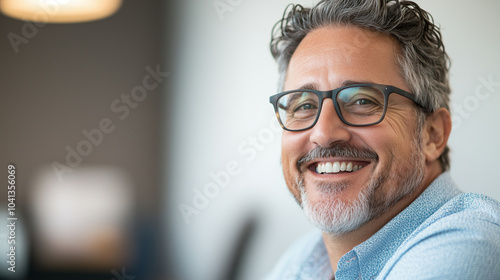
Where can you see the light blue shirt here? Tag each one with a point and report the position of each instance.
(443, 234)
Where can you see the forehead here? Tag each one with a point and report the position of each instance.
(329, 55)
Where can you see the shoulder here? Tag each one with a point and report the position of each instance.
(297, 256)
(459, 241)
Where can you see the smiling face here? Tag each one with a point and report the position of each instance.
(345, 176)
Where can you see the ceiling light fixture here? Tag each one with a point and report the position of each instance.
(59, 11)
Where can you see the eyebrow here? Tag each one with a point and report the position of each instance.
(312, 86)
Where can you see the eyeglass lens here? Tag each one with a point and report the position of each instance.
(358, 106)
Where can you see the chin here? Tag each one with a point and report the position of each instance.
(332, 215)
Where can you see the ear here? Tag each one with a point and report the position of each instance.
(437, 129)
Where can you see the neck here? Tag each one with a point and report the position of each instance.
(339, 245)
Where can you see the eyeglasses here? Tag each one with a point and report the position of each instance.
(356, 105)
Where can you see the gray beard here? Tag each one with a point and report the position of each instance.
(335, 217)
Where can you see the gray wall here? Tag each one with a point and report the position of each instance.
(63, 80)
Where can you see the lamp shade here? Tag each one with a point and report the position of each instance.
(59, 11)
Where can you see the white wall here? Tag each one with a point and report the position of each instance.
(222, 77)
(471, 35)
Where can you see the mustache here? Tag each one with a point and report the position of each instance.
(337, 150)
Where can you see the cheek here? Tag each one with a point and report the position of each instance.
(292, 148)
(287, 152)
(391, 140)
(402, 123)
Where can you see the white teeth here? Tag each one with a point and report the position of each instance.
(349, 167)
(320, 169)
(328, 167)
(336, 167)
(343, 166)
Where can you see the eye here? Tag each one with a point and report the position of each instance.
(307, 106)
(363, 102)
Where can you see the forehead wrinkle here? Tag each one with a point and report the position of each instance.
(306, 54)
(308, 65)
(313, 86)
(335, 47)
(312, 77)
(350, 38)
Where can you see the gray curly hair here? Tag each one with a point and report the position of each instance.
(422, 58)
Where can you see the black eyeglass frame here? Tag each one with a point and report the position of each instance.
(385, 89)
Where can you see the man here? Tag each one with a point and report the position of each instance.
(364, 108)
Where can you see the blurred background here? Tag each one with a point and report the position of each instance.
(145, 147)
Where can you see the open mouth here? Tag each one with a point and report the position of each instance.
(337, 167)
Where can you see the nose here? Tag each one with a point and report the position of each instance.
(329, 128)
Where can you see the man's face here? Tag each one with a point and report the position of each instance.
(388, 156)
